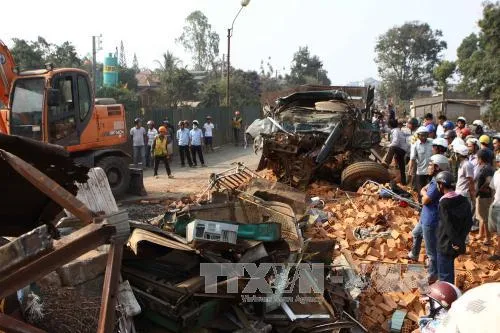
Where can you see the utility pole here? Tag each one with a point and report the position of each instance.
(228, 63)
(94, 59)
(94, 67)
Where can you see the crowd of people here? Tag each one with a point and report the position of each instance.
(455, 169)
(156, 144)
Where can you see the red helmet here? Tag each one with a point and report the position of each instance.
(236, 112)
(444, 293)
(465, 131)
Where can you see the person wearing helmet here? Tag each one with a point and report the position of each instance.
(237, 124)
(169, 135)
(182, 136)
(476, 310)
(484, 141)
(397, 149)
(420, 153)
(429, 123)
(151, 133)
(195, 140)
(159, 150)
(438, 299)
(494, 212)
(429, 216)
(439, 146)
(455, 222)
(465, 175)
(484, 194)
(440, 127)
(139, 139)
(478, 127)
(461, 124)
(208, 129)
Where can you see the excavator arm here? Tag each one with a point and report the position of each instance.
(7, 73)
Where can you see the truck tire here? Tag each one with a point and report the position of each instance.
(355, 175)
(116, 169)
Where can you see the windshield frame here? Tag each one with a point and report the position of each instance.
(35, 130)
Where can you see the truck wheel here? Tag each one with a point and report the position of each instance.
(355, 175)
(116, 170)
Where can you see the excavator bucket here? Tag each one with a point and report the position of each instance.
(7, 73)
(136, 185)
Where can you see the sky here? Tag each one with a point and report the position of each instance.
(342, 33)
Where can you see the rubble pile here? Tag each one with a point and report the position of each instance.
(375, 233)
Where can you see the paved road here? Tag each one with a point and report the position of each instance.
(193, 180)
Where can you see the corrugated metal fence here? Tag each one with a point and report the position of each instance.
(221, 117)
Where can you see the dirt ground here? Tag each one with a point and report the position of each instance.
(192, 180)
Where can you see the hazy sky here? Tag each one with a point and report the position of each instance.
(341, 32)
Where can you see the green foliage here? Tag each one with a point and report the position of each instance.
(135, 64)
(211, 94)
(479, 61)
(307, 69)
(443, 72)
(126, 78)
(406, 56)
(198, 39)
(123, 59)
(122, 95)
(269, 79)
(34, 54)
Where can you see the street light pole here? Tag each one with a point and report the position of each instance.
(244, 3)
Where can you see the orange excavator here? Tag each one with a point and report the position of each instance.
(57, 105)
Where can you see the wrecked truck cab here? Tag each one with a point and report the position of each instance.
(323, 134)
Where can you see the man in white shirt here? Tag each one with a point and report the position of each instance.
(152, 133)
(183, 142)
(494, 213)
(465, 178)
(420, 154)
(397, 148)
(208, 128)
(195, 141)
(440, 128)
(139, 138)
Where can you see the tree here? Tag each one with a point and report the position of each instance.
(122, 95)
(442, 73)
(307, 69)
(406, 56)
(478, 61)
(126, 78)
(269, 78)
(135, 64)
(34, 54)
(211, 94)
(198, 38)
(123, 60)
(176, 84)
(27, 54)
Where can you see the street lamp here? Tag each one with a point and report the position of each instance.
(244, 3)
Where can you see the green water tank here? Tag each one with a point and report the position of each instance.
(110, 71)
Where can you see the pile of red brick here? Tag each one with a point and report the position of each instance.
(396, 282)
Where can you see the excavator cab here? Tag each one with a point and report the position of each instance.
(57, 106)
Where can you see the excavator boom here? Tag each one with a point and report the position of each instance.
(7, 73)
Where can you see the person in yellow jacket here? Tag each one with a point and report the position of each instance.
(237, 124)
(160, 152)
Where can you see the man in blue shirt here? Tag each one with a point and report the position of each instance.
(183, 142)
(429, 217)
(195, 141)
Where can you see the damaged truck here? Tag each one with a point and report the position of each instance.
(323, 135)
